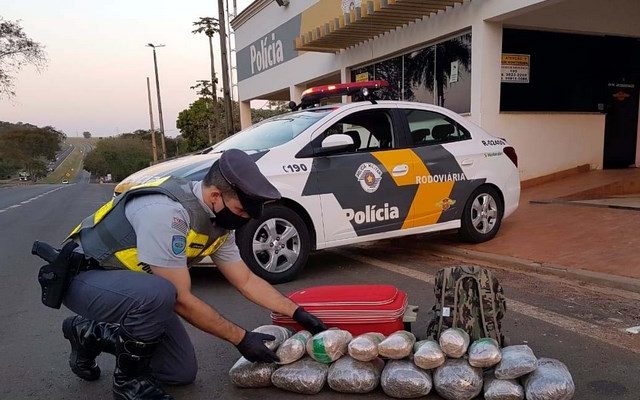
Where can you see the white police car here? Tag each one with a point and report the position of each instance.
(362, 171)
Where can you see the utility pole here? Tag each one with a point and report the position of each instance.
(228, 111)
(155, 65)
(153, 131)
(213, 72)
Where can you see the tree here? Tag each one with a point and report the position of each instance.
(172, 144)
(119, 156)
(271, 109)
(86, 134)
(421, 65)
(28, 147)
(209, 26)
(203, 88)
(193, 123)
(16, 51)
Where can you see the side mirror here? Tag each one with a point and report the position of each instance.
(335, 143)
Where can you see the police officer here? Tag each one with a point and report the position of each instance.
(160, 228)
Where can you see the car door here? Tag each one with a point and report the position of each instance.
(443, 170)
(357, 186)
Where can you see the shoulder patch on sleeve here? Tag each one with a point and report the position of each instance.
(178, 244)
(180, 225)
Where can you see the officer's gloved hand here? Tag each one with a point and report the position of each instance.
(308, 321)
(253, 349)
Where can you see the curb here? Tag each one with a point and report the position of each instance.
(599, 278)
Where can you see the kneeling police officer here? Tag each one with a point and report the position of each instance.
(139, 246)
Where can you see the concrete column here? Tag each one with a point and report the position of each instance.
(486, 51)
(345, 77)
(295, 92)
(245, 114)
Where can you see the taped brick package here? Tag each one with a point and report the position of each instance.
(348, 375)
(402, 379)
(484, 353)
(293, 348)
(454, 342)
(397, 346)
(365, 347)
(305, 376)
(428, 354)
(502, 389)
(457, 380)
(328, 346)
(246, 374)
(550, 381)
(516, 361)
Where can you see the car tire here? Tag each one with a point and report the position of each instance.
(266, 252)
(482, 215)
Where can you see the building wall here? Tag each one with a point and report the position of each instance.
(545, 142)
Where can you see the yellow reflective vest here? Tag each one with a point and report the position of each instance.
(108, 237)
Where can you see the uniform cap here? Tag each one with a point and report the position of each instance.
(252, 187)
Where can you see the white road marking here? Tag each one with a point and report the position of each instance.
(31, 199)
(573, 325)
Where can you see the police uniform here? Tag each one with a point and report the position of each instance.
(165, 224)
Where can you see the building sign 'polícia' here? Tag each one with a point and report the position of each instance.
(272, 49)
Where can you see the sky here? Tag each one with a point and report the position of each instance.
(95, 79)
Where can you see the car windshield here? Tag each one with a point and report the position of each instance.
(272, 132)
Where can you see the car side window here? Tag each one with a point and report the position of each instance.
(429, 128)
(370, 130)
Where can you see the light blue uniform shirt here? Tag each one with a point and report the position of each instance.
(160, 222)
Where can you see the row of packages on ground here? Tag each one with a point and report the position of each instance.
(404, 367)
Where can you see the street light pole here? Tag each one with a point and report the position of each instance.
(153, 130)
(155, 65)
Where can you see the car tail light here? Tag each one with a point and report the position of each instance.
(511, 153)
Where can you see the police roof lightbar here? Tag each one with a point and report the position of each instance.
(315, 94)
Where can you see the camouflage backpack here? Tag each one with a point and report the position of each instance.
(469, 298)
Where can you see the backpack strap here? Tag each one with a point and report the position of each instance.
(488, 306)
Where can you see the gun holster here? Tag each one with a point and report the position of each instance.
(56, 276)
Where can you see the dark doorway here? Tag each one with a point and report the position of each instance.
(621, 124)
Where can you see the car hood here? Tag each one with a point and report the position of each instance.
(183, 167)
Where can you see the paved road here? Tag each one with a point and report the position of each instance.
(579, 325)
(61, 156)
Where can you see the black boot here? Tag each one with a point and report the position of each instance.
(88, 339)
(132, 377)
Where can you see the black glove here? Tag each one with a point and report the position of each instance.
(253, 349)
(308, 321)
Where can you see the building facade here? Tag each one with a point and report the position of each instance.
(558, 79)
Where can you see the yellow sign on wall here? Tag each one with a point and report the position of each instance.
(515, 68)
(362, 77)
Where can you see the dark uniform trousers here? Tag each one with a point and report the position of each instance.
(144, 305)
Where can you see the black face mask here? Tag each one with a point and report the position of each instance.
(227, 219)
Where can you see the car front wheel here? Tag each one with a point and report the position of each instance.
(482, 215)
(275, 246)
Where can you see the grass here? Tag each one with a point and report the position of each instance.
(70, 167)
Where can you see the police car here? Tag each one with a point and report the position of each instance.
(362, 171)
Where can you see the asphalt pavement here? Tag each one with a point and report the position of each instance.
(580, 325)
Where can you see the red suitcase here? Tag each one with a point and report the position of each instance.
(355, 308)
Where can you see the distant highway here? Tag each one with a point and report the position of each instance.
(60, 157)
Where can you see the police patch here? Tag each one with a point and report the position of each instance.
(178, 243)
(369, 176)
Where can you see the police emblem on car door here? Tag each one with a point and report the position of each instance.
(359, 192)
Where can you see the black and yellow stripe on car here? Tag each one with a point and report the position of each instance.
(433, 189)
